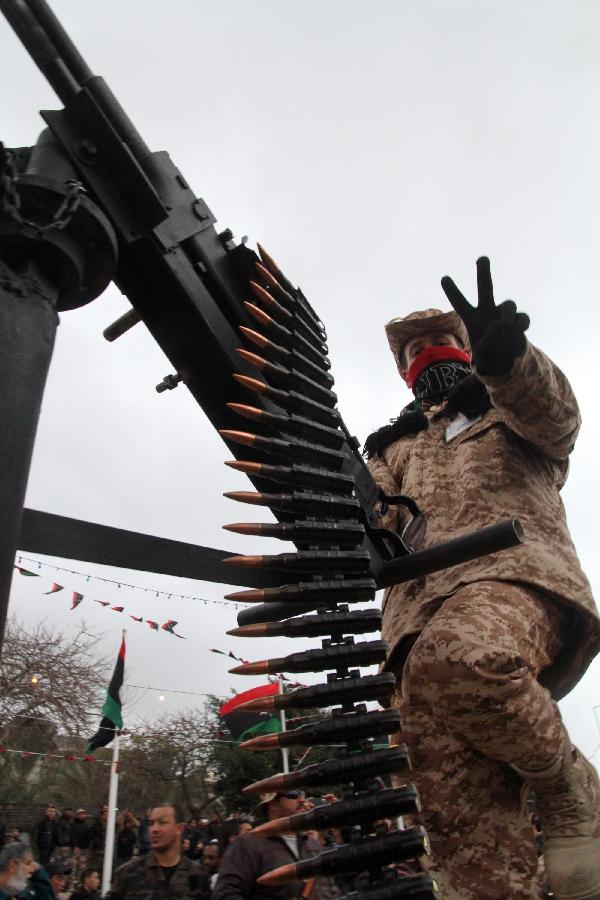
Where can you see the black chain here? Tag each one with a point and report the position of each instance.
(11, 202)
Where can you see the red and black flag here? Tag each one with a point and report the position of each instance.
(77, 598)
(111, 711)
(55, 588)
(153, 625)
(243, 725)
(169, 625)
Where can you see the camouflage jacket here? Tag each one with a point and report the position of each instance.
(510, 461)
(142, 878)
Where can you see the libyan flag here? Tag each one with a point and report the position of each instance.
(111, 711)
(246, 724)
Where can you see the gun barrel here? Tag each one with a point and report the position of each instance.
(63, 66)
(40, 47)
(70, 55)
(451, 553)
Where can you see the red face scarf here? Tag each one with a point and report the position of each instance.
(435, 371)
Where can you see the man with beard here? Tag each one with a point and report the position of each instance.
(482, 650)
(21, 876)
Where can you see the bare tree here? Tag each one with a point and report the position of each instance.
(168, 758)
(51, 687)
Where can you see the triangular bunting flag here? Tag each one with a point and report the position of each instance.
(54, 589)
(77, 598)
(169, 625)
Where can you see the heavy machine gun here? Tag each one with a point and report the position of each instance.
(90, 203)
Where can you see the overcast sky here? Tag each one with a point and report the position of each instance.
(373, 148)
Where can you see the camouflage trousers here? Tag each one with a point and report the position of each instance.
(471, 706)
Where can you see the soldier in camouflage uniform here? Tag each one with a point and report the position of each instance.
(483, 650)
(164, 873)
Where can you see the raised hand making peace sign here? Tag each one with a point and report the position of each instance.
(496, 333)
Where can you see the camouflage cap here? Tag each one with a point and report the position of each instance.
(424, 321)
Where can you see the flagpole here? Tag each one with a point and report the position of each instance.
(113, 786)
(109, 843)
(284, 750)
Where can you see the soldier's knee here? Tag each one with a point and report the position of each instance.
(446, 667)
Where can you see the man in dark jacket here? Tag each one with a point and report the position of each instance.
(47, 835)
(165, 872)
(80, 831)
(250, 856)
(64, 825)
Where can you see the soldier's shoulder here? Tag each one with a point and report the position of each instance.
(134, 866)
(410, 421)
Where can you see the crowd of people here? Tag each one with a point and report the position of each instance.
(161, 853)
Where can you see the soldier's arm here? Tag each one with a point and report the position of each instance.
(537, 402)
(393, 518)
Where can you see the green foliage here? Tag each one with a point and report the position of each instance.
(233, 768)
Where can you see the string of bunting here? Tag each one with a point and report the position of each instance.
(78, 598)
(24, 754)
(122, 584)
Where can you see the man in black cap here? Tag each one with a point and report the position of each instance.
(252, 855)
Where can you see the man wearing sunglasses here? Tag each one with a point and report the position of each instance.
(250, 855)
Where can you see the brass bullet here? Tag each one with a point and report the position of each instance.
(246, 466)
(258, 629)
(261, 742)
(281, 875)
(253, 384)
(259, 667)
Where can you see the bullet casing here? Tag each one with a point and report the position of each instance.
(345, 690)
(287, 338)
(291, 425)
(291, 358)
(304, 531)
(345, 591)
(345, 770)
(359, 810)
(288, 314)
(302, 502)
(296, 450)
(295, 474)
(319, 696)
(366, 653)
(371, 852)
(352, 562)
(335, 624)
(347, 728)
(290, 379)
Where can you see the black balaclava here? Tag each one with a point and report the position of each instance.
(435, 371)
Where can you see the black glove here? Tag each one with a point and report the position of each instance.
(496, 333)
